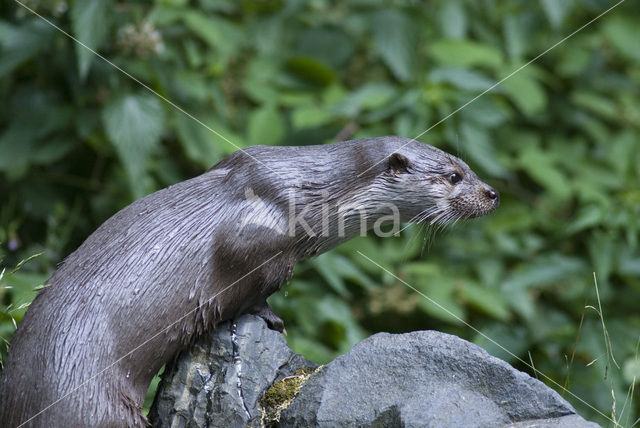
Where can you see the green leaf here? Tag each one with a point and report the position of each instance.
(311, 70)
(517, 35)
(165, 14)
(200, 145)
(422, 269)
(487, 300)
(598, 104)
(406, 101)
(329, 46)
(23, 144)
(293, 99)
(203, 26)
(487, 112)
(557, 11)
(258, 80)
(265, 127)
(405, 124)
(90, 21)
(368, 97)
(310, 348)
(544, 271)
(513, 218)
(526, 93)
(541, 166)
(324, 264)
(340, 326)
(348, 270)
(192, 85)
(466, 53)
(453, 20)
(441, 303)
(269, 35)
(21, 43)
(23, 286)
(134, 124)
(477, 145)
(623, 33)
(574, 61)
(629, 264)
(461, 78)
(622, 151)
(588, 216)
(631, 370)
(16, 144)
(310, 117)
(602, 249)
(220, 34)
(53, 150)
(503, 341)
(368, 247)
(394, 38)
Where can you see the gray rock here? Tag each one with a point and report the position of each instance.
(425, 378)
(219, 381)
(419, 379)
(569, 421)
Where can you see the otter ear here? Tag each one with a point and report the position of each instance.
(398, 163)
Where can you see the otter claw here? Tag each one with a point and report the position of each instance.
(274, 322)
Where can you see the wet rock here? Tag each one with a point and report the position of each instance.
(219, 381)
(425, 378)
(416, 379)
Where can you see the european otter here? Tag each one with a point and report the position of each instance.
(175, 263)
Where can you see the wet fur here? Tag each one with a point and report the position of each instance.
(169, 253)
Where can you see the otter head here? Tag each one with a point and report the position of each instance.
(437, 187)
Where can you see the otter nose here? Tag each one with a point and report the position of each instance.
(491, 194)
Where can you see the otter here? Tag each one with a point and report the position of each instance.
(174, 264)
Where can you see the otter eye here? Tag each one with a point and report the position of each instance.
(455, 178)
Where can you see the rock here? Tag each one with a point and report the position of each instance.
(424, 378)
(219, 381)
(569, 421)
(416, 379)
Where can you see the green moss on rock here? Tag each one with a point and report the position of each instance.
(281, 394)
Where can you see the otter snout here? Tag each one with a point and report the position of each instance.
(488, 201)
(493, 195)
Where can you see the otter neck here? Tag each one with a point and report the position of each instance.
(332, 222)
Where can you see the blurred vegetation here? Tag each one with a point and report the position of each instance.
(560, 139)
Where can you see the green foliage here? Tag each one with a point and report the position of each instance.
(559, 139)
(90, 23)
(133, 124)
(394, 37)
(20, 43)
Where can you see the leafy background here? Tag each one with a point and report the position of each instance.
(80, 140)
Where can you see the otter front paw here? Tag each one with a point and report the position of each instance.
(274, 322)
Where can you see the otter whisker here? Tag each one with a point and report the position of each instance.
(430, 233)
(406, 226)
